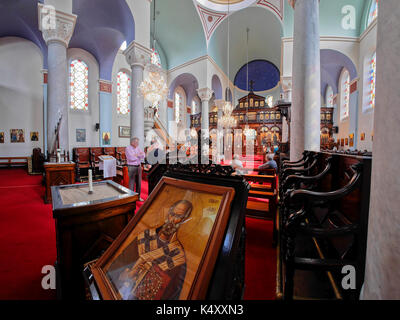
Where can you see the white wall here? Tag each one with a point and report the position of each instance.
(365, 119)
(85, 119)
(141, 14)
(21, 94)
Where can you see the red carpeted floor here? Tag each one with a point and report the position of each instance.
(27, 242)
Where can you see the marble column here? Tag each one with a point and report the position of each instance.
(306, 98)
(287, 97)
(205, 95)
(45, 106)
(382, 274)
(57, 28)
(137, 56)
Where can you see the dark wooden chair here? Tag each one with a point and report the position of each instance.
(323, 227)
(94, 159)
(120, 155)
(82, 161)
(38, 159)
(109, 151)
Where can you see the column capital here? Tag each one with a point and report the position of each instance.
(137, 54)
(205, 94)
(56, 25)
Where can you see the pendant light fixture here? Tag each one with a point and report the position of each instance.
(154, 87)
(249, 133)
(228, 120)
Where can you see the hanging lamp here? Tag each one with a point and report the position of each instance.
(228, 120)
(154, 87)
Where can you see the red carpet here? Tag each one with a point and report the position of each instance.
(27, 236)
(27, 242)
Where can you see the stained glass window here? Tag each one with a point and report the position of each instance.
(179, 105)
(123, 46)
(123, 93)
(329, 97)
(344, 95)
(373, 12)
(270, 101)
(372, 80)
(195, 106)
(79, 75)
(155, 58)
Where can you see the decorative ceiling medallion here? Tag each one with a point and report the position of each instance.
(222, 5)
(210, 20)
(275, 5)
(226, 1)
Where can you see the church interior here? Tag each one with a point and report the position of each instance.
(199, 150)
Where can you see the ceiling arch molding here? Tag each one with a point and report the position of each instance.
(216, 86)
(332, 63)
(188, 82)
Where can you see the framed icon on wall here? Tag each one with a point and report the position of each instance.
(124, 132)
(106, 138)
(80, 135)
(17, 135)
(34, 136)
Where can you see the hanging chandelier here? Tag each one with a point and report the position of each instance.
(154, 87)
(248, 132)
(228, 120)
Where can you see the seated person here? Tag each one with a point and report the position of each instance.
(237, 165)
(270, 164)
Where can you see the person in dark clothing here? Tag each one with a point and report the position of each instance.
(270, 164)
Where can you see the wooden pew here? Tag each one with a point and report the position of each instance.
(262, 187)
(325, 229)
(81, 157)
(122, 177)
(14, 161)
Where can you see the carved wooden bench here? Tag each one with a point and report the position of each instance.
(14, 161)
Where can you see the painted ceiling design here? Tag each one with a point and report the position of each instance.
(211, 15)
(210, 20)
(275, 5)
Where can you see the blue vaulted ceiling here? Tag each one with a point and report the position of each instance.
(19, 18)
(332, 64)
(101, 28)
